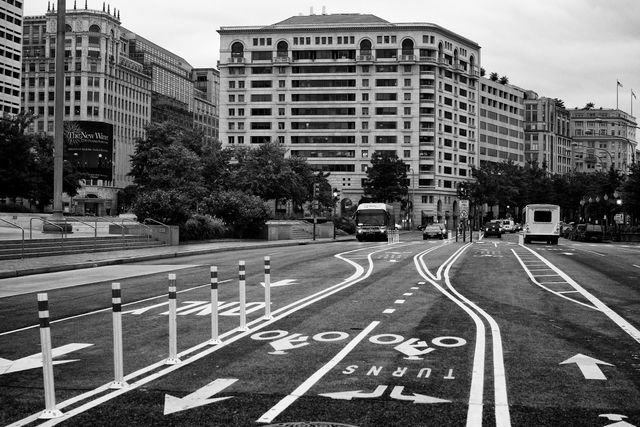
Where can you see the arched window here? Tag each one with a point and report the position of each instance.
(67, 28)
(94, 28)
(407, 47)
(365, 47)
(237, 50)
(283, 49)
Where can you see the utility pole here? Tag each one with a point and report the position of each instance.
(58, 145)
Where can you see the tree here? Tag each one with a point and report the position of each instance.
(39, 183)
(247, 213)
(589, 106)
(504, 80)
(559, 103)
(630, 193)
(493, 77)
(386, 178)
(15, 155)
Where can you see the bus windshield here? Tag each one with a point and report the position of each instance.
(372, 217)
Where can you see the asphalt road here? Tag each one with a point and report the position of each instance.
(416, 333)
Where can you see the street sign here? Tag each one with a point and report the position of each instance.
(464, 209)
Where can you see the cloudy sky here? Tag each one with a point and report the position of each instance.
(574, 50)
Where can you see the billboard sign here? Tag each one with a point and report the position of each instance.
(89, 146)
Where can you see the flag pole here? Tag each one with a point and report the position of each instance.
(617, 86)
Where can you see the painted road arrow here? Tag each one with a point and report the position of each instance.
(288, 343)
(35, 360)
(588, 365)
(285, 282)
(413, 348)
(356, 394)
(199, 397)
(396, 393)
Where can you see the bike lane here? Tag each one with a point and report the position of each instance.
(390, 350)
(566, 361)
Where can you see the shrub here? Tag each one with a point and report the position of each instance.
(203, 227)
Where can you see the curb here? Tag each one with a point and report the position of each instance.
(148, 257)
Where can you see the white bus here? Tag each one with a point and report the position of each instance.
(541, 222)
(374, 221)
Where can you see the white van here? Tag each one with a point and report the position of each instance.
(508, 226)
(541, 222)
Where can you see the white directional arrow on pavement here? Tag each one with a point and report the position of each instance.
(35, 360)
(288, 343)
(413, 348)
(396, 393)
(284, 282)
(199, 397)
(588, 365)
(356, 394)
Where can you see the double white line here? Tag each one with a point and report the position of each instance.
(474, 414)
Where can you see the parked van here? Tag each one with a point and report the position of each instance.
(508, 226)
(541, 222)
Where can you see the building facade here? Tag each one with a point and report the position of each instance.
(602, 138)
(547, 134)
(501, 123)
(11, 54)
(334, 88)
(114, 80)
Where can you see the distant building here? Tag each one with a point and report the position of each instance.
(501, 123)
(602, 138)
(11, 55)
(115, 80)
(334, 88)
(206, 96)
(547, 137)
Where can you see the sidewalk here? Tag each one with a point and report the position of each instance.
(39, 265)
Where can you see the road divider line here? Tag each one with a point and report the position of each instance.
(277, 409)
(597, 304)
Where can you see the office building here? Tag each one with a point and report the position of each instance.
(116, 83)
(602, 138)
(11, 55)
(547, 137)
(501, 123)
(334, 88)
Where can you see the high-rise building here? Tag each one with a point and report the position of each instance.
(334, 88)
(547, 137)
(207, 93)
(116, 82)
(11, 54)
(602, 138)
(501, 123)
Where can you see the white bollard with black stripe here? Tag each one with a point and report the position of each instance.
(50, 410)
(173, 323)
(242, 295)
(118, 364)
(214, 306)
(267, 288)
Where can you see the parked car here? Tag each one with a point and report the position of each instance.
(492, 228)
(436, 231)
(517, 227)
(567, 229)
(589, 232)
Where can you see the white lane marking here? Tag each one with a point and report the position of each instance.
(407, 294)
(474, 413)
(599, 305)
(399, 301)
(588, 366)
(503, 417)
(636, 266)
(389, 311)
(272, 413)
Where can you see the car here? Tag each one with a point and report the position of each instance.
(436, 231)
(588, 232)
(492, 228)
(508, 226)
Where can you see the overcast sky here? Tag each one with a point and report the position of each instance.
(574, 50)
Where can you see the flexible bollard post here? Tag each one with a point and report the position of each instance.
(267, 287)
(50, 410)
(173, 333)
(214, 306)
(242, 296)
(118, 365)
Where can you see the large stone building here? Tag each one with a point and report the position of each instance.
(334, 88)
(116, 83)
(602, 138)
(11, 54)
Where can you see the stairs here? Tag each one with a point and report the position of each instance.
(12, 249)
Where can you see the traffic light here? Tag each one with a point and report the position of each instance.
(316, 189)
(336, 195)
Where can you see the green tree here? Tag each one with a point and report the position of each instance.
(386, 178)
(631, 193)
(245, 212)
